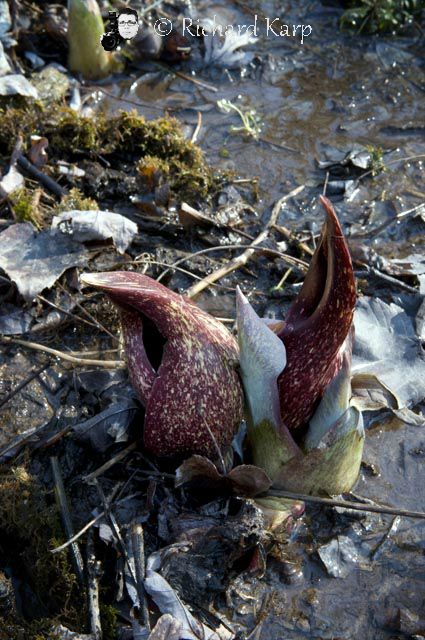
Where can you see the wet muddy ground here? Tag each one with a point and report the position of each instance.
(339, 575)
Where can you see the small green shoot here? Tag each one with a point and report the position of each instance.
(251, 122)
(377, 164)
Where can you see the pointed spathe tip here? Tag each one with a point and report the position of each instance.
(94, 279)
(332, 222)
(241, 299)
(110, 281)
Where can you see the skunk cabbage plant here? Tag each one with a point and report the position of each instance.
(182, 363)
(296, 376)
(85, 29)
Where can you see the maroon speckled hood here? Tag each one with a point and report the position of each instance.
(317, 324)
(193, 396)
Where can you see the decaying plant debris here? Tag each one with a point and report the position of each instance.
(98, 537)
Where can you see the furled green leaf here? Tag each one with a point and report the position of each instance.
(262, 360)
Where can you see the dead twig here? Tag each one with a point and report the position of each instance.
(179, 74)
(290, 235)
(356, 506)
(243, 258)
(385, 277)
(93, 571)
(418, 156)
(66, 312)
(21, 385)
(66, 518)
(277, 145)
(95, 321)
(115, 529)
(136, 103)
(387, 223)
(82, 362)
(105, 467)
(41, 177)
(15, 445)
(197, 128)
(301, 264)
(185, 271)
(89, 524)
(138, 544)
(391, 530)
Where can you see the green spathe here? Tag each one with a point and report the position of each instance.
(328, 460)
(85, 29)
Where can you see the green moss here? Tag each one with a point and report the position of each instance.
(108, 618)
(70, 133)
(31, 527)
(75, 199)
(127, 137)
(25, 203)
(189, 180)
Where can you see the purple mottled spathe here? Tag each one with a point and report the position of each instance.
(194, 400)
(317, 324)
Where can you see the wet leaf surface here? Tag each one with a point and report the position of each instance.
(386, 345)
(84, 226)
(110, 426)
(14, 320)
(16, 84)
(34, 261)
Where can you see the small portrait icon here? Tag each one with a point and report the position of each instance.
(128, 23)
(122, 27)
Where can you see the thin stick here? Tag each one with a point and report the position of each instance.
(386, 278)
(91, 522)
(185, 271)
(419, 156)
(290, 235)
(105, 467)
(138, 544)
(273, 252)
(21, 385)
(215, 443)
(356, 506)
(381, 544)
(283, 279)
(82, 362)
(115, 529)
(387, 223)
(179, 74)
(16, 444)
(96, 322)
(243, 258)
(65, 312)
(195, 134)
(41, 177)
(93, 570)
(325, 186)
(66, 518)
(137, 103)
(277, 145)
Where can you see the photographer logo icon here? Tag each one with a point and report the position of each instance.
(122, 27)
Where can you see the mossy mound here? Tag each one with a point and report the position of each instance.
(124, 138)
(29, 527)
